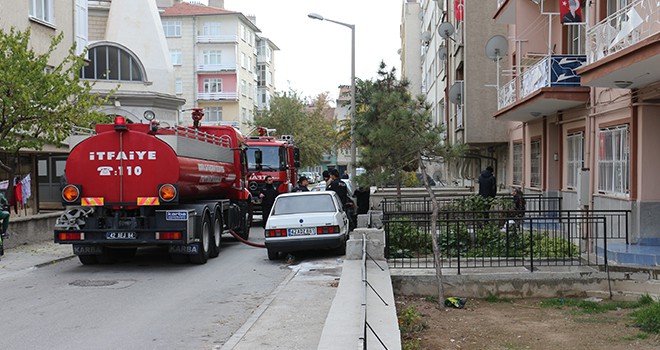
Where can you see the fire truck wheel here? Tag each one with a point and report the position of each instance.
(273, 254)
(88, 259)
(203, 254)
(216, 239)
(246, 222)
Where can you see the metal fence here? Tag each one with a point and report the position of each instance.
(501, 238)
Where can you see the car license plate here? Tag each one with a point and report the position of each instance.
(120, 235)
(305, 231)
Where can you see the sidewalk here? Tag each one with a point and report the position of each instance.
(29, 256)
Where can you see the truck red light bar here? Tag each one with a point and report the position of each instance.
(168, 235)
(71, 236)
(327, 229)
(279, 232)
(120, 123)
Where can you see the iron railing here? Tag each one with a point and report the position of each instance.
(478, 239)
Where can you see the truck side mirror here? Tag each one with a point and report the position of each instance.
(258, 158)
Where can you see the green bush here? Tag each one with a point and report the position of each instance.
(406, 239)
(648, 318)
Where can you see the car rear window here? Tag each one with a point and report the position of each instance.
(303, 204)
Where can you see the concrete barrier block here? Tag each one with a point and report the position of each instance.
(376, 218)
(363, 220)
(369, 234)
(375, 249)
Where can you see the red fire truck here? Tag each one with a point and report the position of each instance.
(134, 185)
(280, 159)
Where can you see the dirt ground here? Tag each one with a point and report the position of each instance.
(523, 324)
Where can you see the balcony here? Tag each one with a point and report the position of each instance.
(216, 67)
(549, 86)
(217, 39)
(217, 96)
(623, 50)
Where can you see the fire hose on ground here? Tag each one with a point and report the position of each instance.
(240, 239)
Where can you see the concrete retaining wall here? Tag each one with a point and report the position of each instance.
(625, 283)
(31, 229)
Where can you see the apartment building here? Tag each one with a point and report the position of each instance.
(216, 56)
(585, 99)
(458, 80)
(45, 18)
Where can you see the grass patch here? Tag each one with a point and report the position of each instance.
(647, 318)
(638, 336)
(411, 324)
(431, 299)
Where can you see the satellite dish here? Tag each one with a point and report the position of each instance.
(497, 47)
(426, 36)
(456, 92)
(442, 52)
(446, 30)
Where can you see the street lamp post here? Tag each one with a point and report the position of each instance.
(351, 166)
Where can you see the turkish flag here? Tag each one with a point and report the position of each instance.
(458, 9)
(570, 11)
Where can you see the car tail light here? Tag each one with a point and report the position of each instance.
(168, 235)
(327, 229)
(71, 236)
(278, 232)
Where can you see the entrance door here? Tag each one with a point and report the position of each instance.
(50, 169)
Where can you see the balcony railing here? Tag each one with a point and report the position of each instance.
(216, 67)
(550, 71)
(217, 96)
(622, 29)
(506, 94)
(217, 38)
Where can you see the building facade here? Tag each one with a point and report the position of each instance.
(584, 100)
(217, 63)
(458, 80)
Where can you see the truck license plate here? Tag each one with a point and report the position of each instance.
(306, 231)
(120, 235)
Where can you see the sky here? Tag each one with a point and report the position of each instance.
(315, 56)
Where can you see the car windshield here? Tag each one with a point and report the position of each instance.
(304, 204)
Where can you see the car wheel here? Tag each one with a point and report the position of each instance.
(202, 255)
(273, 254)
(246, 221)
(341, 250)
(217, 236)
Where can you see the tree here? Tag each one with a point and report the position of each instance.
(396, 134)
(312, 130)
(40, 103)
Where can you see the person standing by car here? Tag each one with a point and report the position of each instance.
(268, 194)
(4, 215)
(302, 185)
(339, 186)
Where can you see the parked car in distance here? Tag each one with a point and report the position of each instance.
(306, 221)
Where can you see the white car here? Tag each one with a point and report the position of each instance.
(306, 221)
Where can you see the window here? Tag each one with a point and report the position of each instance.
(213, 114)
(249, 63)
(261, 75)
(212, 56)
(42, 10)
(211, 29)
(112, 63)
(212, 85)
(243, 114)
(576, 38)
(243, 59)
(175, 57)
(243, 87)
(517, 163)
(178, 86)
(172, 29)
(535, 163)
(614, 160)
(80, 26)
(575, 144)
(242, 30)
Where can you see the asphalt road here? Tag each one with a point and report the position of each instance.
(145, 303)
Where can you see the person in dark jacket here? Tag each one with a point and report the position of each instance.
(302, 185)
(487, 183)
(339, 186)
(268, 194)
